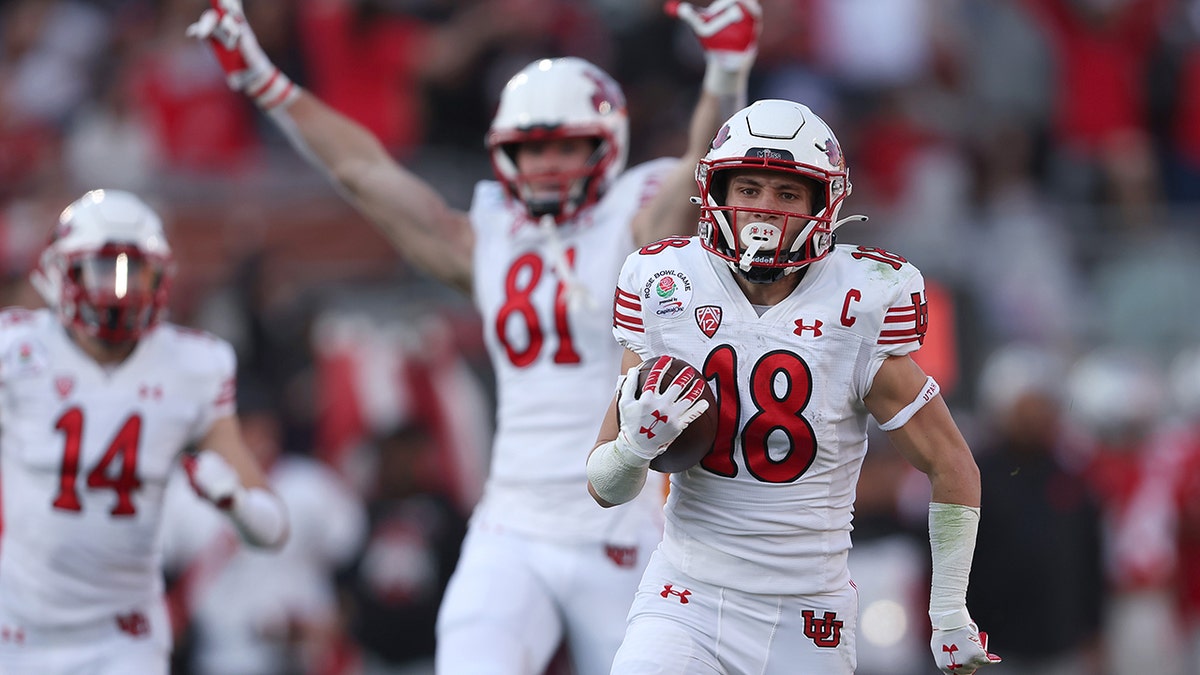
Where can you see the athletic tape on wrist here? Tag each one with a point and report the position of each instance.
(952, 532)
(616, 474)
(275, 92)
(723, 79)
(260, 517)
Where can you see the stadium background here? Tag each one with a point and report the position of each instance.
(1039, 160)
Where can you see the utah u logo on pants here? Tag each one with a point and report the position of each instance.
(824, 632)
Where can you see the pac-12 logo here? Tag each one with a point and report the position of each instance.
(708, 318)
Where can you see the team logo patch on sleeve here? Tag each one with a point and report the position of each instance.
(708, 318)
(668, 293)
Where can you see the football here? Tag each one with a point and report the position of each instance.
(697, 439)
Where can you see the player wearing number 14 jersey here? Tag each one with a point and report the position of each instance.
(98, 400)
(802, 340)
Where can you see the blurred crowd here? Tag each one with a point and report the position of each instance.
(1039, 160)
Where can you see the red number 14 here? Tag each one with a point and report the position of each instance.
(123, 446)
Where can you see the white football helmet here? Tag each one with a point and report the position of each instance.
(560, 98)
(1115, 394)
(107, 268)
(782, 136)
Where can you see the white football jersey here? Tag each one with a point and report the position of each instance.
(556, 366)
(769, 509)
(85, 451)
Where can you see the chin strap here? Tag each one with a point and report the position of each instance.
(576, 293)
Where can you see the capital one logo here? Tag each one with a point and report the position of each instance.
(824, 632)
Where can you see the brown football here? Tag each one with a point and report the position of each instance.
(697, 439)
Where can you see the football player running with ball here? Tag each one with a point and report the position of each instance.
(539, 251)
(802, 339)
(98, 399)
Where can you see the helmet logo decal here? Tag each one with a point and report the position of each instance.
(721, 137)
(770, 154)
(606, 98)
(834, 152)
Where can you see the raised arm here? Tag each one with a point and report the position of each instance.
(728, 31)
(410, 212)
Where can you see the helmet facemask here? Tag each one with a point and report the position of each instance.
(764, 252)
(107, 270)
(116, 293)
(571, 190)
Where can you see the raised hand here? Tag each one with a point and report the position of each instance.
(247, 68)
(651, 420)
(728, 29)
(958, 646)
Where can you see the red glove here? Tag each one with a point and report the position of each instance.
(247, 68)
(958, 646)
(728, 31)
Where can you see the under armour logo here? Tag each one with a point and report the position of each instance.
(16, 635)
(669, 590)
(133, 623)
(824, 632)
(815, 327)
(950, 649)
(649, 431)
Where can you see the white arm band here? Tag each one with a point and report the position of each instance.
(616, 474)
(952, 532)
(901, 418)
(260, 517)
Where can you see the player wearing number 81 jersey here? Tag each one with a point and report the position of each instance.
(539, 251)
(98, 400)
(802, 340)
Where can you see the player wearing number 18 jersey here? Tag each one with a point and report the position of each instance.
(98, 400)
(802, 340)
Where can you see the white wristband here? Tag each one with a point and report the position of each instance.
(616, 474)
(274, 91)
(901, 418)
(952, 532)
(260, 517)
(726, 74)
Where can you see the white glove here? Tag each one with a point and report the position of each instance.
(247, 68)
(958, 646)
(650, 420)
(212, 478)
(728, 31)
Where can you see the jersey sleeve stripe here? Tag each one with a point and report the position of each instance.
(899, 341)
(627, 311)
(227, 394)
(627, 322)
